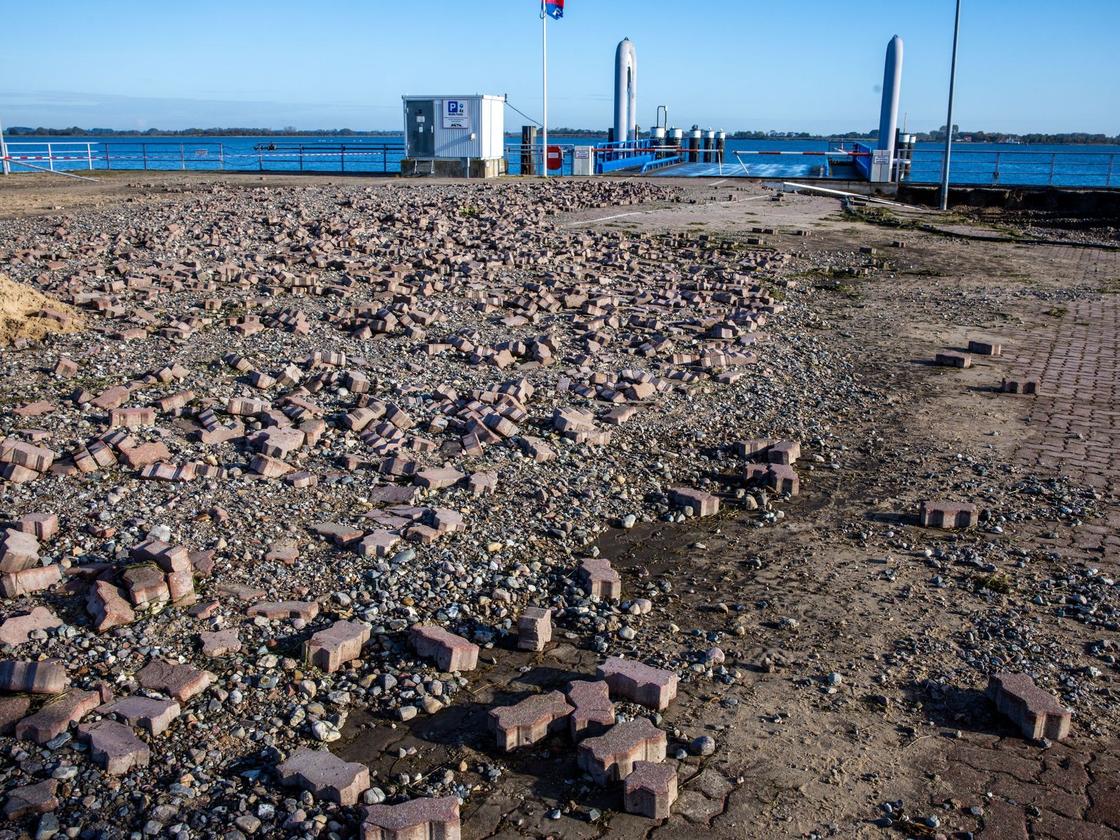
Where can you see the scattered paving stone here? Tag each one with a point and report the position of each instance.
(450, 652)
(114, 746)
(340, 643)
(1038, 714)
(325, 775)
(151, 713)
(18, 629)
(947, 515)
(180, 680)
(592, 709)
(435, 818)
(610, 757)
(651, 687)
(529, 721)
(44, 677)
(220, 642)
(534, 628)
(650, 790)
(29, 800)
(55, 716)
(285, 610)
(13, 708)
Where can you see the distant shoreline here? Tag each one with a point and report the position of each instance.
(1065, 138)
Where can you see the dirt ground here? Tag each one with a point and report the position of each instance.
(900, 739)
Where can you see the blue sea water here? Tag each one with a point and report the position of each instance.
(972, 163)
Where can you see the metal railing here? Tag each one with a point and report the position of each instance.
(203, 156)
(1018, 168)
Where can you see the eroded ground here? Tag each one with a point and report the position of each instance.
(857, 646)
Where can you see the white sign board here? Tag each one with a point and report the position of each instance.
(456, 113)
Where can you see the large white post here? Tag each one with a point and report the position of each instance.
(544, 85)
(4, 152)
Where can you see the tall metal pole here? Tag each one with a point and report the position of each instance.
(949, 119)
(4, 152)
(544, 79)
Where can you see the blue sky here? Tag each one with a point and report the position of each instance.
(805, 65)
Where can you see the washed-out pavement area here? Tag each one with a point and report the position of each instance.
(343, 507)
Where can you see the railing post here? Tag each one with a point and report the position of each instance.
(144, 152)
(342, 156)
(260, 160)
(108, 163)
(995, 175)
(1111, 163)
(300, 157)
(222, 156)
(1053, 160)
(89, 156)
(50, 157)
(182, 157)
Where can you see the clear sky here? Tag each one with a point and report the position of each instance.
(802, 65)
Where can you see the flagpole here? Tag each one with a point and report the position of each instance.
(544, 81)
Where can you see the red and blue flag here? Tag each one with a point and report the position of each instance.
(554, 8)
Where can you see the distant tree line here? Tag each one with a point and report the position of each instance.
(1071, 137)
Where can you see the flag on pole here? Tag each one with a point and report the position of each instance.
(554, 8)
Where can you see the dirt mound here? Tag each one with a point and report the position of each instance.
(26, 313)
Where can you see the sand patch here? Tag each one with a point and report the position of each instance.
(27, 313)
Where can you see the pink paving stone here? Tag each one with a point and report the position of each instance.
(34, 409)
(947, 514)
(220, 642)
(13, 707)
(170, 558)
(301, 479)
(181, 681)
(20, 453)
(282, 552)
(180, 587)
(529, 721)
(42, 526)
(151, 713)
(108, 607)
(650, 790)
(338, 644)
(783, 479)
(29, 580)
(326, 775)
(144, 454)
(534, 628)
(784, 452)
(204, 609)
(378, 543)
(29, 800)
(18, 550)
(593, 711)
(599, 579)
(269, 467)
(278, 443)
(702, 504)
(114, 746)
(17, 629)
(482, 483)
(47, 676)
(17, 474)
(65, 368)
(1019, 386)
(450, 652)
(985, 347)
(56, 715)
(131, 418)
(611, 756)
(1037, 713)
(110, 398)
(146, 584)
(285, 610)
(437, 479)
(417, 819)
(341, 535)
(653, 688)
(957, 360)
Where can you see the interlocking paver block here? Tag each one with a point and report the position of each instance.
(131, 418)
(947, 514)
(534, 628)
(18, 550)
(23, 454)
(220, 642)
(1038, 713)
(784, 452)
(450, 652)
(55, 717)
(18, 629)
(951, 359)
(378, 543)
(284, 610)
(529, 721)
(610, 757)
(13, 707)
(151, 713)
(437, 479)
(593, 711)
(650, 790)
(44, 677)
(341, 535)
(108, 606)
(338, 644)
(25, 582)
(1019, 386)
(114, 746)
(42, 526)
(984, 347)
(326, 775)
(417, 819)
(181, 681)
(702, 504)
(653, 688)
(146, 584)
(599, 579)
(29, 800)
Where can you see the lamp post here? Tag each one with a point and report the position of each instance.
(949, 119)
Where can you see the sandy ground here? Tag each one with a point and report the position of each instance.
(844, 583)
